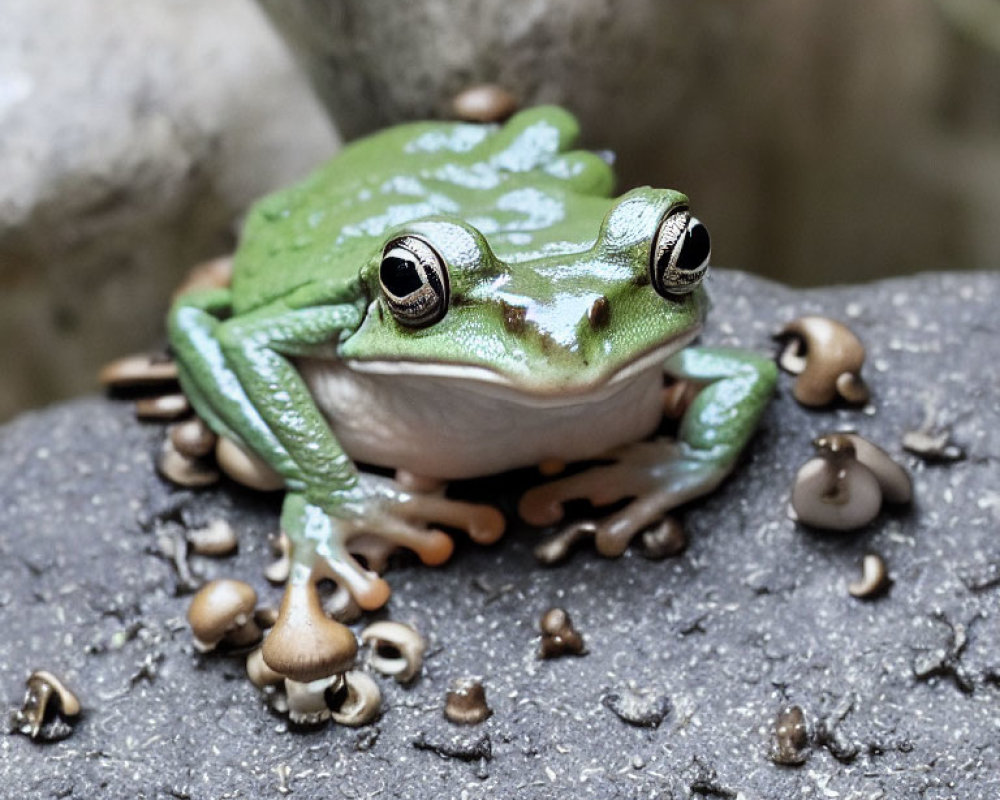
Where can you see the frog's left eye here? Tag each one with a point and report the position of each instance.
(414, 281)
(679, 258)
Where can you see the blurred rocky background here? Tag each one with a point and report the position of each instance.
(822, 142)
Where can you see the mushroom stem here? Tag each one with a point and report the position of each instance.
(834, 490)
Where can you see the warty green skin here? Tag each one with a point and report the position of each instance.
(531, 238)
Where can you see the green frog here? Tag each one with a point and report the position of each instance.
(453, 300)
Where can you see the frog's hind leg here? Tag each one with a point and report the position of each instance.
(663, 473)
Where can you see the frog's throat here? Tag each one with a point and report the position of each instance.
(524, 390)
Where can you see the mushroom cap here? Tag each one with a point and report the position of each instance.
(259, 673)
(827, 351)
(306, 645)
(214, 274)
(486, 102)
(404, 639)
(218, 607)
(69, 704)
(246, 467)
(362, 703)
(466, 703)
(836, 494)
(894, 480)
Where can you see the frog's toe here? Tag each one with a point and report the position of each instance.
(484, 524)
(601, 486)
(433, 547)
(367, 587)
(658, 475)
(615, 532)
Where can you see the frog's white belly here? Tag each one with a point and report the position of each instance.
(448, 427)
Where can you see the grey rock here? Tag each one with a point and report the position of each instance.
(753, 617)
(644, 707)
(132, 136)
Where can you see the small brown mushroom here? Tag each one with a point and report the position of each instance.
(266, 616)
(216, 539)
(183, 470)
(192, 438)
(558, 546)
(874, 578)
(844, 486)
(245, 467)
(360, 701)
(221, 612)
(466, 703)
(834, 490)
(484, 103)
(138, 370)
(894, 480)
(277, 571)
(827, 357)
(38, 705)
(214, 274)
(932, 446)
(664, 540)
(259, 673)
(677, 398)
(790, 745)
(164, 406)
(397, 649)
(559, 637)
(305, 645)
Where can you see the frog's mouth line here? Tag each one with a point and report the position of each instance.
(497, 384)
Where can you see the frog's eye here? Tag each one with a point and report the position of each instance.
(414, 281)
(679, 258)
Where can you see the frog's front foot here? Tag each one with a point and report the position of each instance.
(380, 517)
(377, 518)
(657, 475)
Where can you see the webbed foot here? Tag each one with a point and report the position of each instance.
(380, 517)
(377, 518)
(658, 475)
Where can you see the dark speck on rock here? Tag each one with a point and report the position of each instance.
(462, 747)
(644, 708)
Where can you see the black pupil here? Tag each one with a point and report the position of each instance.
(695, 247)
(400, 275)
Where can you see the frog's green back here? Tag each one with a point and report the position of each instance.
(520, 184)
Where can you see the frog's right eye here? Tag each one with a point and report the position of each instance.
(680, 254)
(414, 281)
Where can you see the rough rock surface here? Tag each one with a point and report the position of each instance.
(900, 692)
(131, 136)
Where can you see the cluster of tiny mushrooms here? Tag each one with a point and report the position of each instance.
(841, 488)
(844, 486)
